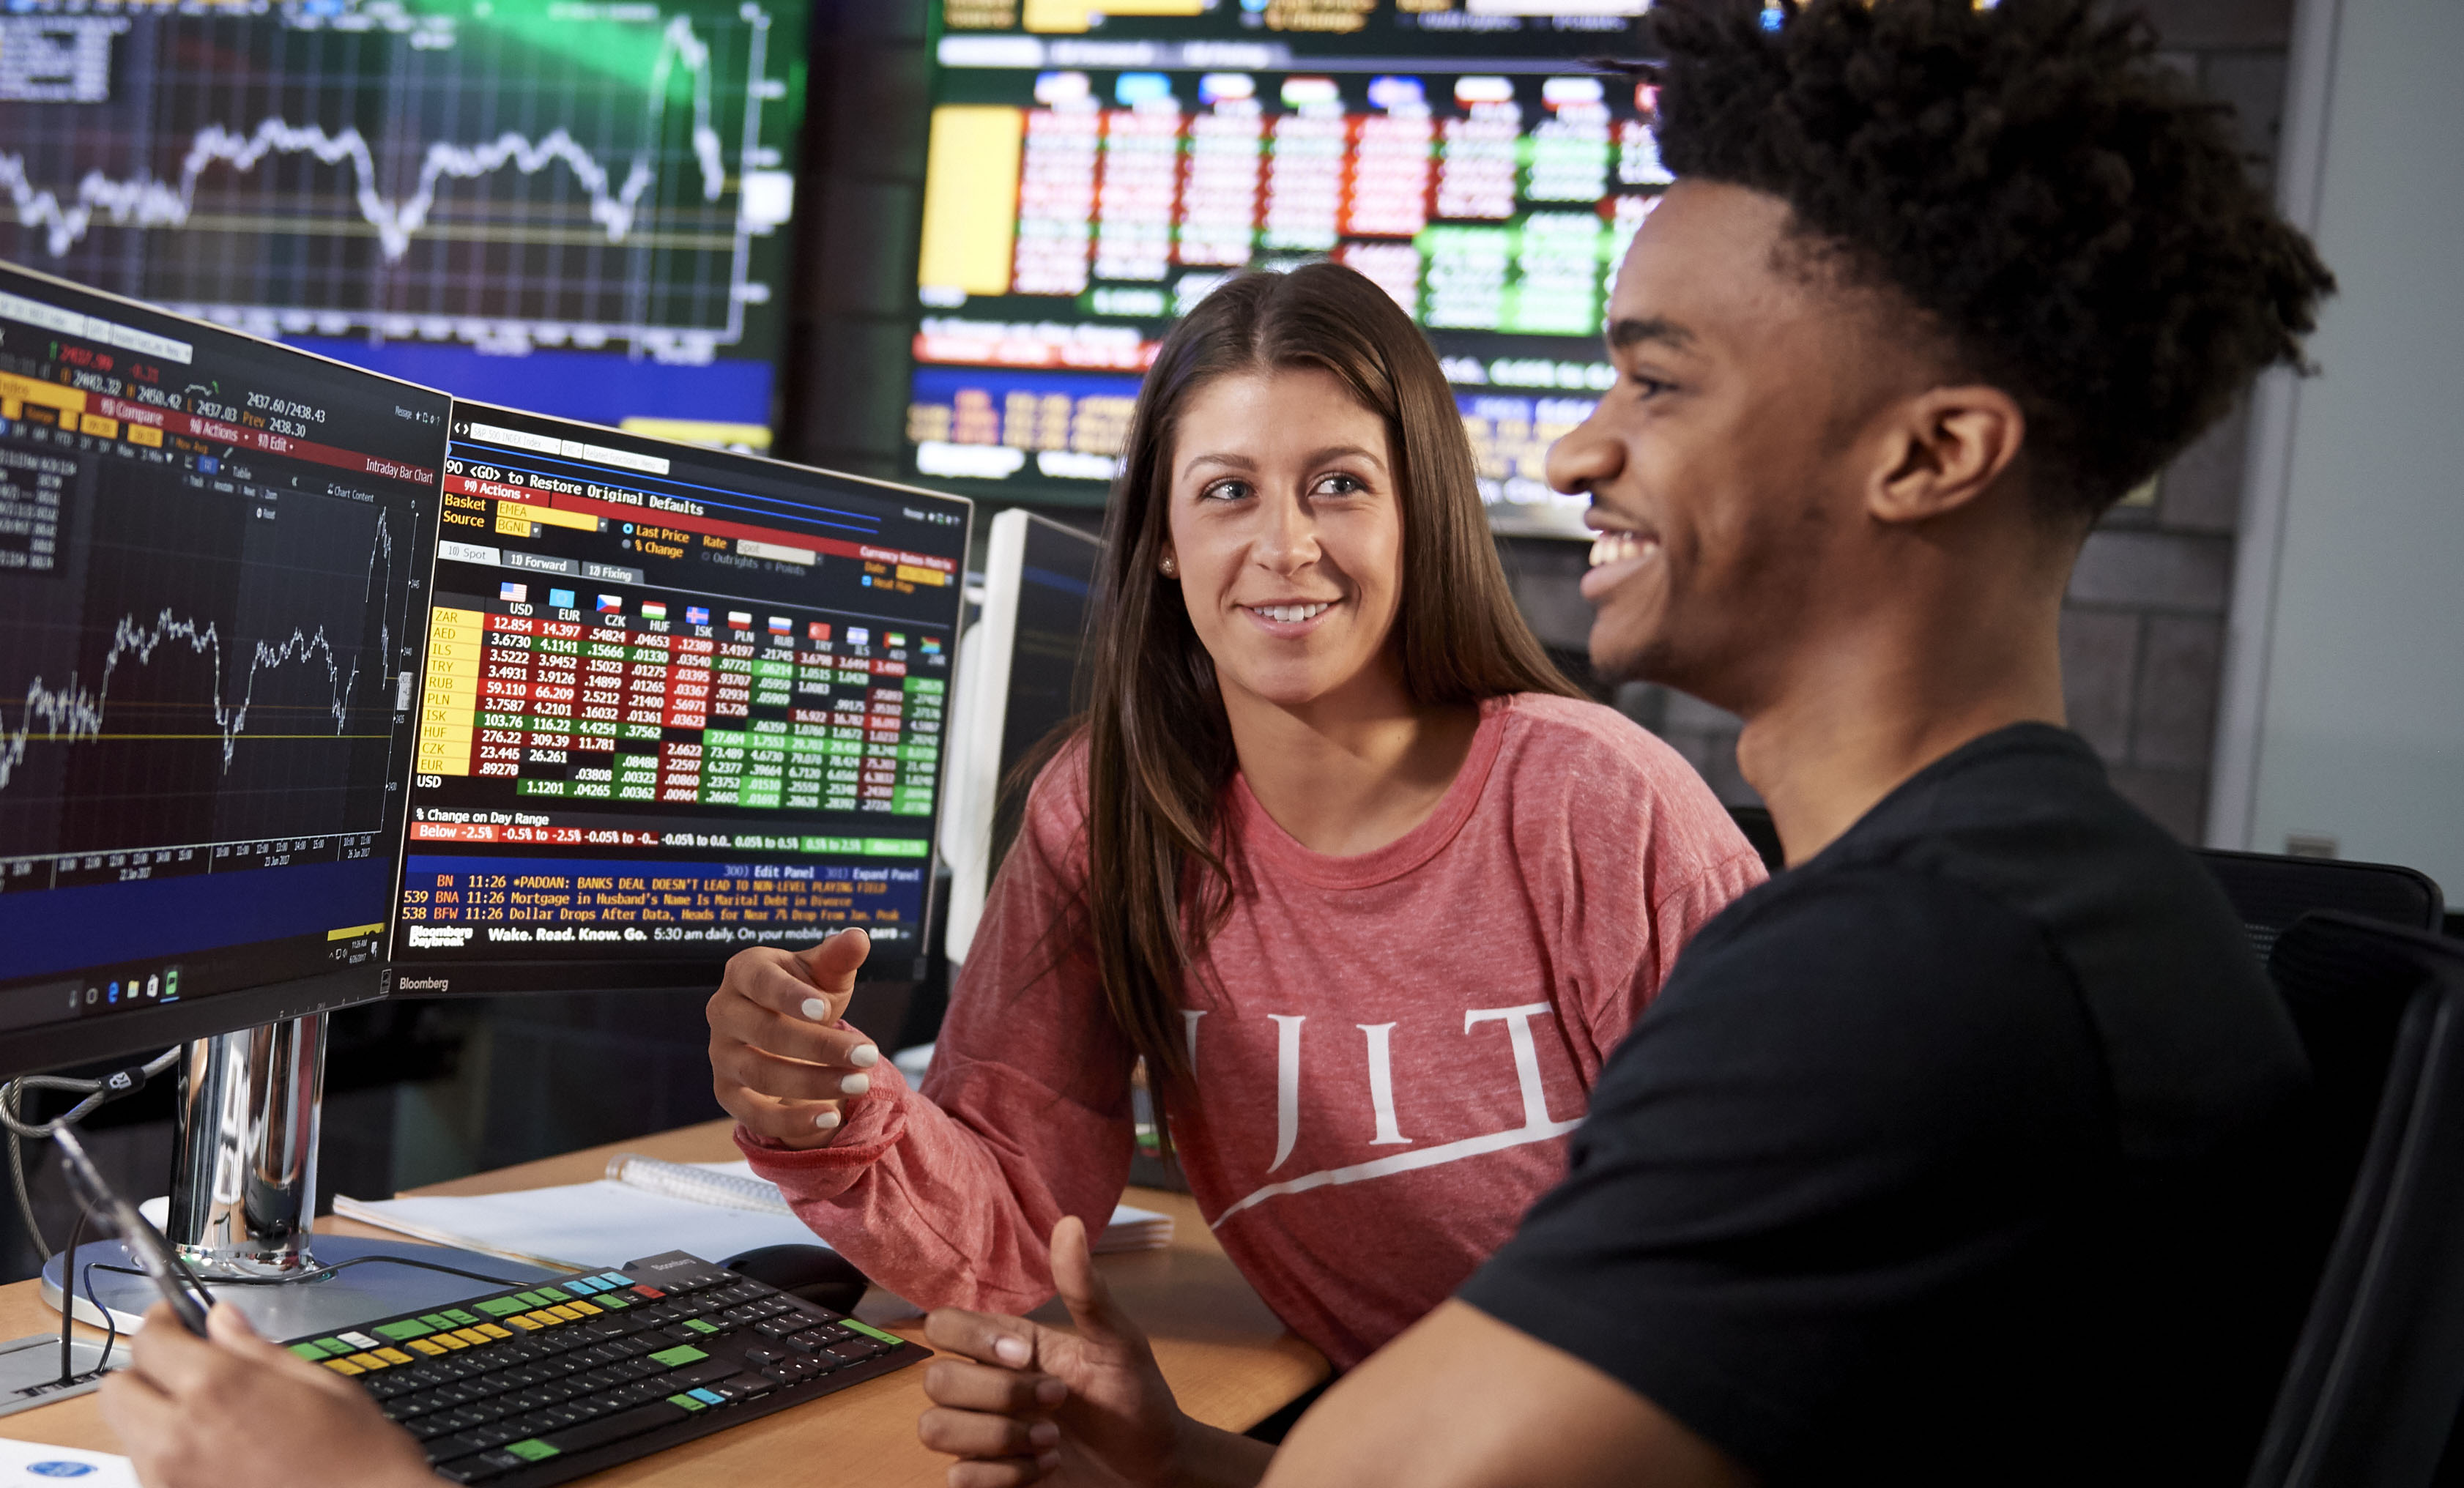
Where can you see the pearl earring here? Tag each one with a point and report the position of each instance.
(1170, 568)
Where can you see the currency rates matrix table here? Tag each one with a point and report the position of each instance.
(624, 708)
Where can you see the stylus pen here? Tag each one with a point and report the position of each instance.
(144, 1241)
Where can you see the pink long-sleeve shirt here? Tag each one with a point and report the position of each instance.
(1389, 1052)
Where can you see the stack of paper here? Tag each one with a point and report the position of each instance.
(644, 1206)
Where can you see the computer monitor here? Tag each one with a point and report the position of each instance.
(214, 554)
(1021, 676)
(579, 209)
(1095, 172)
(677, 702)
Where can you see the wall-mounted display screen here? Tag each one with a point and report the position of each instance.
(1093, 173)
(572, 206)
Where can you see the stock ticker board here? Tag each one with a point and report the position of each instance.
(1095, 172)
(573, 207)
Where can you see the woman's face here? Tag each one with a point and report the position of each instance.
(1287, 534)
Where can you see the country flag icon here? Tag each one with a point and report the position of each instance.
(696, 615)
(740, 619)
(560, 598)
(781, 626)
(513, 593)
(817, 630)
(858, 635)
(652, 609)
(611, 605)
(893, 638)
(932, 647)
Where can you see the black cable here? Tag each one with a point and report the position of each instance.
(68, 1298)
(322, 1272)
(110, 1320)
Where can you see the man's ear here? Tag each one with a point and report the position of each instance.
(1945, 447)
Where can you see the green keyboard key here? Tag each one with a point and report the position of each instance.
(502, 1307)
(678, 1357)
(439, 1322)
(700, 1326)
(407, 1328)
(688, 1402)
(458, 1318)
(530, 1449)
(871, 1331)
(309, 1350)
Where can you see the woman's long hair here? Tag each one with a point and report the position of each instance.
(1159, 746)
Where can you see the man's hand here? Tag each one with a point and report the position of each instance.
(1082, 1408)
(776, 1061)
(210, 1413)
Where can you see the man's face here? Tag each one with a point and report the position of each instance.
(1723, 467)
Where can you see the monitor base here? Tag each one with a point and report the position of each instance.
(290, 1310)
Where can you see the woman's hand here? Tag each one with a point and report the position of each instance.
(1082, 1408)
(231, 1408)
(775, 1061)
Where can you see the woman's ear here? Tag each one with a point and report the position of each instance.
(1945, 447)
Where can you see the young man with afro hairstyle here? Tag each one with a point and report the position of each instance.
(1950, 1154)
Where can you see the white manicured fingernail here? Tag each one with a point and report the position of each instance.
(817, 1010)
(827, 1119)
(855, 1085)
(864, 1057)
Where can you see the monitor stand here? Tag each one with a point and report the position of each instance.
(244, 1192)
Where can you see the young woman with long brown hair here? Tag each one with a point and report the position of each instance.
(1335, 850)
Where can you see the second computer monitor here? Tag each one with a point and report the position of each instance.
(211, 553)
(1024, 677)
(677, 703)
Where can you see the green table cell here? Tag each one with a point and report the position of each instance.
(921, 808)
(538, 787)
(926, 754)
(897, 847)
(640, 730)
(769, 668)
(929, 684)
(736, 664)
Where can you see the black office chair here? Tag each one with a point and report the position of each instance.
(2371, 1392)
(2269, 892)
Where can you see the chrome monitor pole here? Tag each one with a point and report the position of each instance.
(244, 1195)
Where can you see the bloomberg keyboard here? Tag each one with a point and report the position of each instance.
(539, 1385)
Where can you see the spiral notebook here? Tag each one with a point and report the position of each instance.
(645, 1206)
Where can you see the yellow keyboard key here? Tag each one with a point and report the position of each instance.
(567, 1313)
(493, 1331)
(447, 1340)
(369, 1362)
(427, 1347)
(343, 1367)
(585, 1309)
(394, 1356)
(471, 1335)
(524, 1323)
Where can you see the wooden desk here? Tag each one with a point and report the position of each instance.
(1228, 1357)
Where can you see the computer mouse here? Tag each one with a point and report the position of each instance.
(815, 1273)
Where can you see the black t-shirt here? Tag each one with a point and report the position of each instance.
(1951, 1155)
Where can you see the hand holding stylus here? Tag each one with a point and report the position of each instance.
(781, 1061)
(231, 1408)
